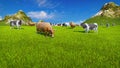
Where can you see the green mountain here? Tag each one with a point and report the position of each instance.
(109, 13)
(19, 15)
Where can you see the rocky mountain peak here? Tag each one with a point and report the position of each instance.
(109, 10)
(109, 6)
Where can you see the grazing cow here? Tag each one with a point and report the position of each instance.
(65, 24)
(113, 24)
(72, 25)
(107, 25)
(92, 26)
(59, 24)
(52, 24)
(45, 28)
(16, 23)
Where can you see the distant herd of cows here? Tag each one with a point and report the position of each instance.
(46, 28)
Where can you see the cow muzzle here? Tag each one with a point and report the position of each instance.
(52, 35)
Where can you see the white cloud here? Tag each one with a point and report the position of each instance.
(41, 2)
(0, 17)
(40, 15)
(47, 3)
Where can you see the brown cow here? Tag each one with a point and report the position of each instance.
(72, 25)
(59, 24)
(45, 28)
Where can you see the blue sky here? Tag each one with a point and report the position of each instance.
(54, 10)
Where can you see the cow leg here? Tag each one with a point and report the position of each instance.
(19, 27)
(46, 33)
(86, 30)
(38, 30)
(11, 27)
(96, 29)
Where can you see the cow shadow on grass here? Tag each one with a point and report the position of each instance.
(43, 34)
(85, 32)
(79, 31)
(40, 33)
(17, 28)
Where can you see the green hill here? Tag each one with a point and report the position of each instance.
(19, 15)
(109, 13)
(103, 20)
(2, 23)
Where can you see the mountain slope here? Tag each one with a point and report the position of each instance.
(103, 20)
(109, 13)
(19, 15)
(109, 10)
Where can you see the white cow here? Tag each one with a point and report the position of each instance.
(16, 23)
(92, 26)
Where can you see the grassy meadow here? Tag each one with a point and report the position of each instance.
(70, 48)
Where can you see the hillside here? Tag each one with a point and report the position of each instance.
(19, 15)
(103, 20)
(110, 9)
(109, 13)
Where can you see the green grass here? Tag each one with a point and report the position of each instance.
(70, 48)
(2, 23)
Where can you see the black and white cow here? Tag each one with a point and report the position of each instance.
(92, 26)
(15, 23)
(113, 24)
(107, 25)
(65, 24)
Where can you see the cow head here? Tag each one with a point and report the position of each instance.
(51, 33)
(83, 25)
